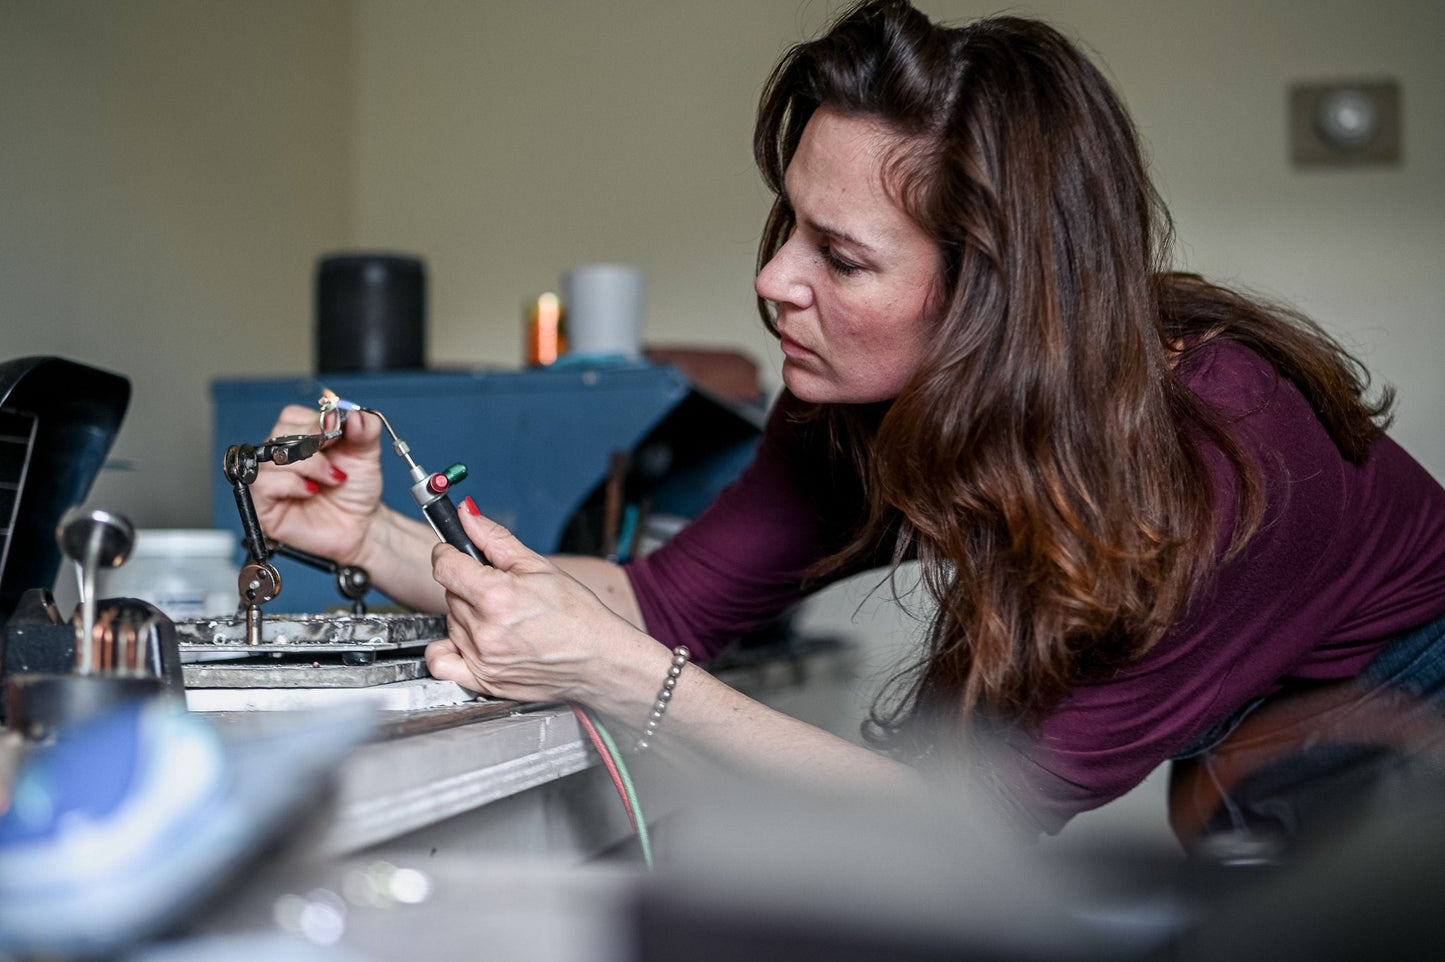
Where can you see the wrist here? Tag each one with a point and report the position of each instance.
(376, 538)
(392, 543)
(681, 655)
(625, 680)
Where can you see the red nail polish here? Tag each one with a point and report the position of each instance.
(471, 507)
(312, 486)
(337, 473)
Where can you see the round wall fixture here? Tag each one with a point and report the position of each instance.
(1350, 122)
(1348, 117)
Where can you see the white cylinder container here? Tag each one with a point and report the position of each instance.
(604, 305)
(185, 572)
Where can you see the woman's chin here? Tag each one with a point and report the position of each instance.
(804, 386)
(812, 389)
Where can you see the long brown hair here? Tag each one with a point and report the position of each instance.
(1042, 462)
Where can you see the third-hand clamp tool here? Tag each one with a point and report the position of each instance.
(259, 581)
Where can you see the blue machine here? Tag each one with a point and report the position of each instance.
(536, 443)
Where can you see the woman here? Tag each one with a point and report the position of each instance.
(1141, 502)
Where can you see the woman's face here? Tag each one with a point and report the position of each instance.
(853, 285)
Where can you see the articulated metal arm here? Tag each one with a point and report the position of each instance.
(259, 581)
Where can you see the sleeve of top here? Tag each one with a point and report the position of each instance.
(742, 562)
(1334, 543)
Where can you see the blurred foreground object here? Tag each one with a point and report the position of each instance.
(130, 820)
(753, 871)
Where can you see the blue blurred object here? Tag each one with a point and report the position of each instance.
(131, 819)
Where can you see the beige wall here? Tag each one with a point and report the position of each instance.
(170, 171)
(506, 142)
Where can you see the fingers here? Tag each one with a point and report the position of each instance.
(296, 481)
(499, 545)
(359, 432)
(459, 575)
(362, 429)
(295, 419)
(276, 483)
(465, 578)
(280, 483)
(358, 447)
(445, 662)
(514, 631)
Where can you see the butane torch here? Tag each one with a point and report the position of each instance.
(427, 489)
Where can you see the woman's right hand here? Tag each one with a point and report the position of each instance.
(328, 503)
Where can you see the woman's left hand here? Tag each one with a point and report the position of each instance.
(524, 630)
(521, 629)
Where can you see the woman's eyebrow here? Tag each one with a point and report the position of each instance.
(837, 232)
(820, 227)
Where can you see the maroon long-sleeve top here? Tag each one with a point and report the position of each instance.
(1347, 556)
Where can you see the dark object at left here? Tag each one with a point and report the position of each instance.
(58, 420)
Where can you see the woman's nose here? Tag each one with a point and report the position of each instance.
(780, 280)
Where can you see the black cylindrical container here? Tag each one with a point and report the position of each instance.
(370, 313)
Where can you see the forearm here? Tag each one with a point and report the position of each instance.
(523, 630)
(727, 726)
(397, 555)
(605, 580)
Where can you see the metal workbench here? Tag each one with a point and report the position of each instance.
(488, 776)
(491, 778)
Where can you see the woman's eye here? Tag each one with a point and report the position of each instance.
(836, 264)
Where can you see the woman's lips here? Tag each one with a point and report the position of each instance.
(793, 349)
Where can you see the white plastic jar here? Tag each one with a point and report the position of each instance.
(185, 572)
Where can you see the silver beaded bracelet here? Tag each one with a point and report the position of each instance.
(680, 656)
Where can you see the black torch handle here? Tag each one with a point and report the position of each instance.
(442, 513)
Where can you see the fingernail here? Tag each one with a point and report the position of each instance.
(337, 473)
(471, 507)
(312, 486)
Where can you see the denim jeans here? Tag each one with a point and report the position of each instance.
(1288, 769)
